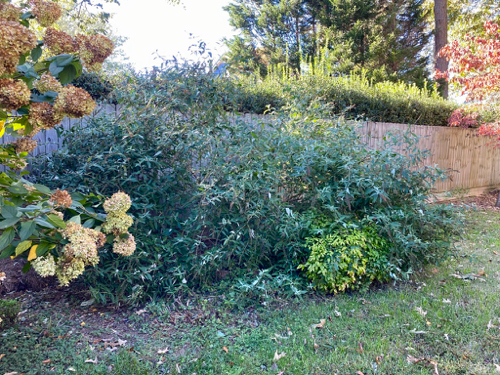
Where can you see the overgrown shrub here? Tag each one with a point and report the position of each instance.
(218, 198)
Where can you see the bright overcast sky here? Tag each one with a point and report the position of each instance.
(156, 25)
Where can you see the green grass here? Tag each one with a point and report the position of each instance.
(373, 332)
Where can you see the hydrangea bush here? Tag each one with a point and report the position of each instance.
(57, 232)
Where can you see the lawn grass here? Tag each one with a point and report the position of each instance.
(444, 321)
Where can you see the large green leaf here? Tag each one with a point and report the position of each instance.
(64, 60)
(42, 189)
(8, 222)
(67, 75)
(9, 212)
(7, 237)
(22, 247)
(9, 251)
(44, 223)
(57, 221)
(43, 248)
(36, 53)
(27, 229)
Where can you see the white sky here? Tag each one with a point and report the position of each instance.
(156, 25)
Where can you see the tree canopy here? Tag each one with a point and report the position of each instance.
(384, 38)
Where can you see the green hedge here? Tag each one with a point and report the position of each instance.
(353, 96)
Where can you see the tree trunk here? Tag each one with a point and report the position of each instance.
(441, 39)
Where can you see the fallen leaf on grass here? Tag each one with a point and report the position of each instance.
(46, 361)
(225, 349)
(379, 359)
(11, 373)
(421, 311)
(71, 369)
(497, 367)
(94, 361)
(178, 368)
(140, 312)
(1, 356)
(321, 324)
(423, 361)
(163, 351)
(277, 356)
(337, 314)
(360, 350)
(359, 373)
(414, 330)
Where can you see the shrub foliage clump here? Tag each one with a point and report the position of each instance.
(215, 197)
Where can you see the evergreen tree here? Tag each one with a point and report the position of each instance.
(384, 38)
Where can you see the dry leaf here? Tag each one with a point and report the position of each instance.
(421, 311)
(277, 356)
(497, 367)
(423, 361)
(321, 324)
(378, 359)
(11, 373)
(337, 314)
(225, 349)
(1, 356)
(178, 368)
(163, 351)
(316, 346)
(140, 312)
(46, 361)
(360, 350)
(359, 373)
(417, 332)
(71, 369)
(94, 361)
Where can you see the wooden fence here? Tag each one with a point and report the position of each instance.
(473, 161)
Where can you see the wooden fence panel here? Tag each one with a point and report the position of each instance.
(473, 161)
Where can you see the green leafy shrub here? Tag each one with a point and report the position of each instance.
(347, 259)
(9, 309)
(381, 102)
(220, 198)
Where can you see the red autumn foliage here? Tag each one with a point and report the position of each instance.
(475, 67)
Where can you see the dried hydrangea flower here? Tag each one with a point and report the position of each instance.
(118, 203)
(94, 49)
(18, 164)
(9, 12)
(47, 83)
(45, 12)
(43, 116)
(25, 145)
(117, 223)
(15, 40)
(124, 246)
(13, 94)
(69, 269)
(74, 102)
(59, 42)
(44, 266)
(83, 243)
(61, 198)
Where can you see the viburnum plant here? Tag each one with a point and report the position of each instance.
(475, 68)
(57, 232)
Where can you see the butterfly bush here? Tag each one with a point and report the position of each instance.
(59, 233)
